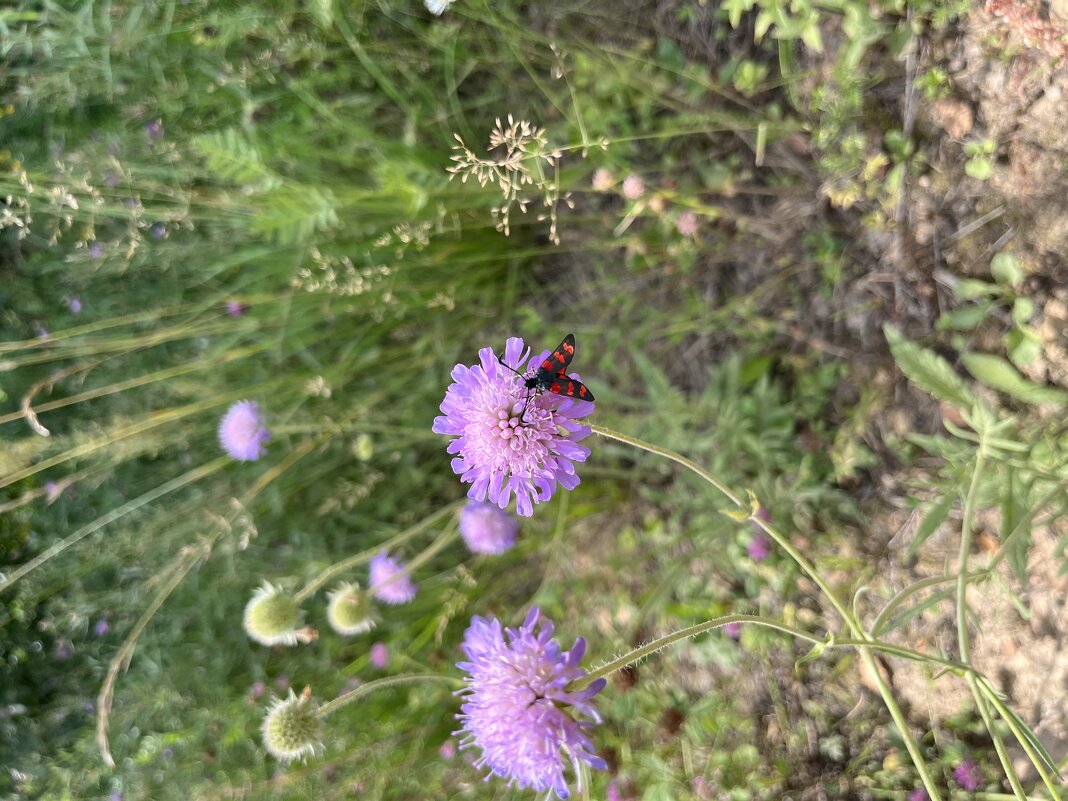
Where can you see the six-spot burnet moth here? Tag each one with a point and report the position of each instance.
(551, 375)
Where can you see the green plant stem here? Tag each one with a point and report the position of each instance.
(380, 684)
(884, 616)
(166, 488)
(355, 560)
(858, 632)
(643, 651)
(963, 642)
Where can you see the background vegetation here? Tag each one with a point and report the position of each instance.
(750, 213)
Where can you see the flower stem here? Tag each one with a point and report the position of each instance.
(855, 628)
(380, 684)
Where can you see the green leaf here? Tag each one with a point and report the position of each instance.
(323, 11)
(1006, 269)
(1023, 344)
(963, 319)
(927, 370)
(997, 373)
(936, 516)
(235, 160)
(1022, 310)
(971, 288)
(980, 168)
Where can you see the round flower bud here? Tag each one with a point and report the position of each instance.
(291, 729)
(349, 611)
(273, 618)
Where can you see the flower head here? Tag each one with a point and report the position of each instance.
(235, 308)
(349, 610)
(508, 440)
(603, 180)
(272, 618)
(242, 433)
(968, 775)
(291, 729)
(389, 583)
(733, 629)
(633, 187)
(687, 224)
(75, 305)
(487, 528)
(919, 794)
(759, 547)
(518, 709)
(437, 7)
(154, 129)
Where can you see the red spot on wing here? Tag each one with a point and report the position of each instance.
(582, 390)
(547, 365)
(554, 387)
(570, 388)
(559, 357)
(568, 347)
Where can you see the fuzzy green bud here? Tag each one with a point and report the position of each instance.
(349, 611)
(291, 729)
(273, 618)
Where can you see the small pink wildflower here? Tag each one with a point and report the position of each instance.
(919, 794)
(759, 547)
(603, 180)
(379, 656)
(733, 630)
(447, 750)
(633, 187)
(234, 308)
(687, 224)
(968, 775)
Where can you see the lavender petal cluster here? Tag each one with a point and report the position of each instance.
(507, 440)
(242, 432)
(487, 529)
(517, 708)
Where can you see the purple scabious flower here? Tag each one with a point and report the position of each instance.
(518, 709)
(242, 433)
(497, 452)
(487, 528)
(389, 583)
(968, 775)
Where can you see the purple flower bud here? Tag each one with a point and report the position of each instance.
(733, 630)
(96, 250)
(759, 547)
(919, 794)
(257, 690)
(234, 308)
(447, 750)
(75, 305)
(101, 628)
(389, 581)
(380, 656)
(158, 230)
(64, 650)
(968, 775)
(154, 129)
